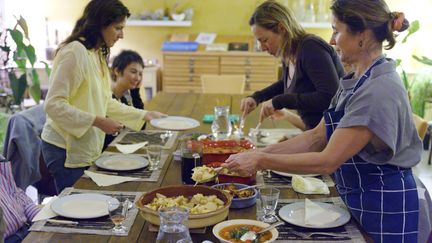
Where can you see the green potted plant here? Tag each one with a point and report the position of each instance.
(20, 75)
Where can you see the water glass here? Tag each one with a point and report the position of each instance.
(117, 209)
(154, 153)
(269, 197)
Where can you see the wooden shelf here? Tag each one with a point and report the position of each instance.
(318, 25)
(167, 23)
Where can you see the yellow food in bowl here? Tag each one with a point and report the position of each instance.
(203, 173)
(196, 205)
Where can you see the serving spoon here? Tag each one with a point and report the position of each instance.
(252, 235)
(216, 170)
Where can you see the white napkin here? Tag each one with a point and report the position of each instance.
(315, 215)
(108, 180)
(46, 212)
(309, 185)
(130, 148)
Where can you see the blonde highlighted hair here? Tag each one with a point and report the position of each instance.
(273, 16)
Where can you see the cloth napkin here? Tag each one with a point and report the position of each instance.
(108, 180)
(315, 215)
(46, 212)
(130, 148)
(309, 185)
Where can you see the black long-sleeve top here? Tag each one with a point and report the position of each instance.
(315, 82)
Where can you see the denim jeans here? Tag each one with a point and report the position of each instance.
(19, 235)
(54, 159)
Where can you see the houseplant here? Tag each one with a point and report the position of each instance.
(19, 75)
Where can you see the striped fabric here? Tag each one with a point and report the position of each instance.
(18, 208)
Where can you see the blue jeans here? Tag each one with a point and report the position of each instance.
(19, 235)
(55, 158)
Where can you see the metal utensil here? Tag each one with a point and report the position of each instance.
(57, 221)
(216, 170)
(245, 188)
(252, 235)
(307, 235)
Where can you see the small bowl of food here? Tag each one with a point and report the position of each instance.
(241, 198)
(231, 230)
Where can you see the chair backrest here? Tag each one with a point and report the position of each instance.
(421, 125)
(223, 84)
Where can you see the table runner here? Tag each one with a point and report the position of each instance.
(273, 179)
(287, 231)
(143, 174)
(98, 226)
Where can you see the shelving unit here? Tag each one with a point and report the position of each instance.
(166, 23)
(317, 25)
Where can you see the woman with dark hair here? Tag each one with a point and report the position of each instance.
(79, 106)
(126, 72)
(311, 68)
(368, 138)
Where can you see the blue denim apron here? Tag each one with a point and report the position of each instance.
(382, 198)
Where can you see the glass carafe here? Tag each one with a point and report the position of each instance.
(221, 126)
(173, 227)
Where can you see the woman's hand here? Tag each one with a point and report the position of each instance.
(153, 115)
(247, 105)
(245, 163)
(108, 126)
(267, 110)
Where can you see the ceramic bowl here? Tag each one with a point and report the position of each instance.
(217, 228)
(194, 220)
(244, 202)
(178, 17)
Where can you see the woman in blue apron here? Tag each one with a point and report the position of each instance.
(367, 138)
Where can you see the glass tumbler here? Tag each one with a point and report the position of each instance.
(269, 198)
(118, 209)
(154, 153)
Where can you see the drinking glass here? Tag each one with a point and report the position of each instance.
(117, 209)
(269, 198)
(191, 156)
(154, 153)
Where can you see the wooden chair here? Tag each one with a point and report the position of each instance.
(223, 84)
(421, 126)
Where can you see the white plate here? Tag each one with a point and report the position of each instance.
(122, 162)
(81, 206)
(294, 214)
(290, 175)
(175, 123)
(217, 228)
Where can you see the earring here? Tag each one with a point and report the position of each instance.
(360, 43)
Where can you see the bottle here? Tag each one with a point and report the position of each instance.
(173, 228)
(221, 126)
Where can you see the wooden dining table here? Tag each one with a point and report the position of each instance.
(191, 105)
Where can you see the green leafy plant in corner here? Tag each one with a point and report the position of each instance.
(23, 54)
